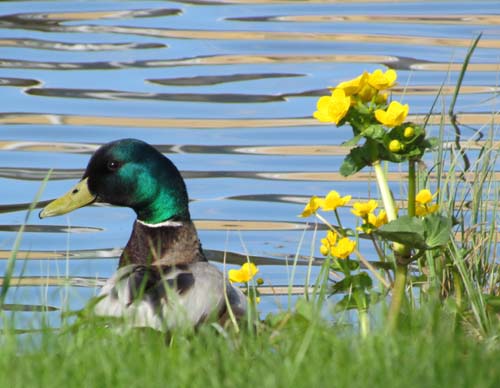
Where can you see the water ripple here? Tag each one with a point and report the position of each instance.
(48, 228)
(469, 19)
(398, 63)
(38, 174)
(19, 82)
(476, 118)
(39, 44)
(226, 98)
(50, 21)
(289, 150)
(219, 79)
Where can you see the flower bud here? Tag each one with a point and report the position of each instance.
(395, 146)
(408, 132)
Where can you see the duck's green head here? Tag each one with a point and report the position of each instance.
(128, 173)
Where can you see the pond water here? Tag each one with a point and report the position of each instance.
(226, 89)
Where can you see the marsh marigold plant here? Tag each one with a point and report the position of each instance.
(381, 132)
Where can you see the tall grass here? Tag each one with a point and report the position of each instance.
(426, 354)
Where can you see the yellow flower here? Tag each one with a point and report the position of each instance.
(311, 207)
(367, 92)
(333, 200)
(362, 209)
(373, 220)
(395, 146)
(354, 86)
(328, 242)
(408, 132)
(423, 210)
(344, 248)
(423, 200)
(332, 109)
(393, 116)
(380, 80)
(244, 274)
(424, 197)
(378, 221)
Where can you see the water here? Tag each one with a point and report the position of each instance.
(226, 90)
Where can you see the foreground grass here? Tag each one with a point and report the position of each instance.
(300, 353)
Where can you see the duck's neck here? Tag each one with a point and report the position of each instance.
(169, 243)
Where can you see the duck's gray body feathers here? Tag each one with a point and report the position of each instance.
(168, 297)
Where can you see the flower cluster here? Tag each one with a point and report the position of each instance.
(336, 243)
(337, 247)
(363, 103)
(362, 209)
(423, 204)
(371, 221)
(330, 202)
(365, 88)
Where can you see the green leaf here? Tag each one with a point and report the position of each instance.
(346, 303)
(353, 141)
(362, 281)
(437, 230)
(353, 162)
(404, 230)
(342, 286)
(344, 265)
(375, 132)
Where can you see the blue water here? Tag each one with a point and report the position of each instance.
(92, 79)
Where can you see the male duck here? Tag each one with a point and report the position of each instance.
(163, 279)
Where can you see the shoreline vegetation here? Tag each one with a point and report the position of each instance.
(431, 319)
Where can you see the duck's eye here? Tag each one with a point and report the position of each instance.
(113, 165)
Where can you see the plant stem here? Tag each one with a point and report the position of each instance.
(339, 222)
(385, 192)
(398, 292)
(412, 190)
(364, 323)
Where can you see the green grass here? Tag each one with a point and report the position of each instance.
(301, 353)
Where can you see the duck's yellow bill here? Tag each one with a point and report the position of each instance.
(77, 197)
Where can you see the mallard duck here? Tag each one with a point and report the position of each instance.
(163, 279)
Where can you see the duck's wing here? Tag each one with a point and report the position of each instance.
(165, 297)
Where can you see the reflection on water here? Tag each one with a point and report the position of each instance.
(397, 63)
(20, 82)
(404, 19)
(224, 98)
(148, 122)
(218, 79)
(285, 150)
(50, 45)
(226, 89)
(37, 174)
